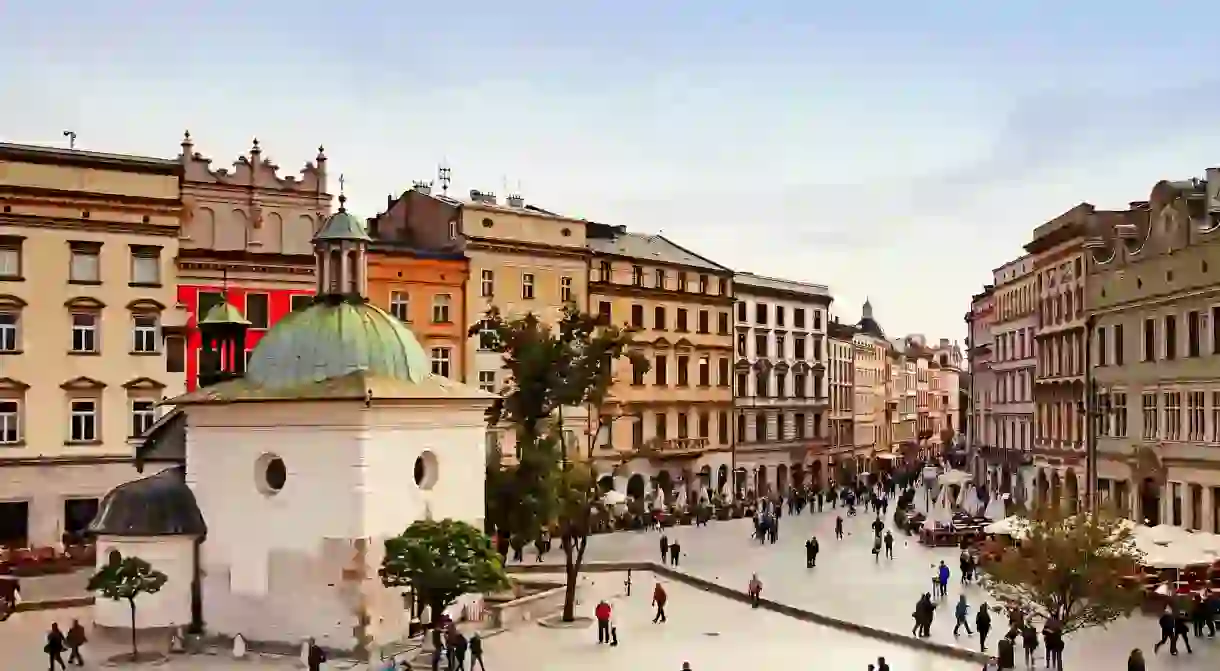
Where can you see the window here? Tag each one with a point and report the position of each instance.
(799, 423)
(453, 230)
(1148, 408)
(1101, 346)
(660, 370)
(741, 312)
(9, 328)
(703, 284)
(704, 318)
(442, 359)
(637, 316)
(10, 257)
(817, 320)
(1119, 403)
(798, 317)
(487, 380)
(603, 310)
(143, 333)
(722, 427)
(760, 313)
(637, 431)
(724, 290)
(779, 315)
(722, 323)
(145, 266)
(741, 344)
(175, 354)
(10, 421)
(84, 421)
(400, 305)
(798, 347)
(487, 339)
(206, 301)
(722, 373)
(705, 425)
(637, 373)
(743, 382)
(1149, 340)
(760, 428)
(760, 345)
(779, 346)
(487, 283)
(660, 426)
(84, 332)
(681, 281)
(683, 371)
(565, 289)
(798, 385)
(527, 285)
(301, 302)
(659, 278)
(637, 276)
(681, 325)
(604, 271)
(781, 384)
(85, 264)
(1171, 337)
(143, 415)
(705, 371)
(1118, 344)
(741, 428)
(1173, 415)
(1192, 333)
(761, 386)
(658, 318)
(1195, 415)
(440, 309)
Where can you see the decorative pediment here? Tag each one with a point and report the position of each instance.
(83, 383)
(762, 364)
(145, 305)
(742, 364)
(683, 343)
(143, 383)
(11, 301)
(800, 367)
(660, 343)
(782, 367)
(253, 170)
(9, 384)
(84, 303)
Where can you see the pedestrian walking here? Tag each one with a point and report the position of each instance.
(664, 548)
(1181, 626)
(960, 612)
(982, 623)
(459, 651)
(889, 544)
(55, 647)
(838, 528)
(659, 597)
(1029, 643)
(1052, 635)
(602, 613)
(943, 575)
(476, 651)
(675, 552)
(1168, 632)
(76, 639)
(755, 591)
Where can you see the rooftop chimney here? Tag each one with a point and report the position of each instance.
(515, 200)
(422, 187)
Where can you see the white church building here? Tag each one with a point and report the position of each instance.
(284, 479)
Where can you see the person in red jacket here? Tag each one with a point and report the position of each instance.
(658, 599)
(602, 612)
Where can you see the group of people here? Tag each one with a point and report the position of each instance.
(58, 643)
(452, 647)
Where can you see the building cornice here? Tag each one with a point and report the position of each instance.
(653, 293)
(91, 225)
(525, 248)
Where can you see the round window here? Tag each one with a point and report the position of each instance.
(426, 470)
(270, 474)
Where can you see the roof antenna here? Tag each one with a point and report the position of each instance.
(71, 135)
(444, 175)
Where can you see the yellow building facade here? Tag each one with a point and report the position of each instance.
(90, 337)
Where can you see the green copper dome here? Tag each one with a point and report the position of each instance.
(332, 339)
(342, 225)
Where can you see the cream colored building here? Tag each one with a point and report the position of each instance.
(841, 373)
(87, 292)
(522, 259)
(901, 396)
(871, 376)
(781, 398)
(671, 424)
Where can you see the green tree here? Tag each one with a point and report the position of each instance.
(569, 365)
(1072, 568)
(441, 561)
(124, 579)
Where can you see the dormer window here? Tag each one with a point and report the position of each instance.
(453, 230)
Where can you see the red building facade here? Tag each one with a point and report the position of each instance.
(263, 307)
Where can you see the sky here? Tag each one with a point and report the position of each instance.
(894, 151)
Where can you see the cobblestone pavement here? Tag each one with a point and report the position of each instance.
(848, 584)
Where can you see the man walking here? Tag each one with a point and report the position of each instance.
(75, 639)
(664, 547)
(838, 528)
(960, 612)
(675, 551)
(602, 613)
(889, 545)
(982, 622)
(658, 599)
(316, 657)
(476, 651)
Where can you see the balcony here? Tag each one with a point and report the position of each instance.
(781, 401)
(673, 448)
(1004, 457)
(791, 444)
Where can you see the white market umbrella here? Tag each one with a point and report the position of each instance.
(995, 509)
(1160, 534)
(1014, 525)
(954, 478)
(614, 497)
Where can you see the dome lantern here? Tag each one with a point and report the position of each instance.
(223, 333)
(341, 248)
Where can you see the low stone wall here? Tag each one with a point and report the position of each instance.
(510, 614)
(774, 606)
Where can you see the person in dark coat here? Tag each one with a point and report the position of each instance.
(675, 551)
(55, 647)
(459, 651)
(889, 544)
(1135, 661)
(1006, 654)
(1181, 626)
(1168, 633)
(1029, 643)
(839, 528)
(982, 624)
(664, 548)
(476, 651)
(75, 639)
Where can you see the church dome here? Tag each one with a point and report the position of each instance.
(334, 337)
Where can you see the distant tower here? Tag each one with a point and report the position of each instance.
(223, 332)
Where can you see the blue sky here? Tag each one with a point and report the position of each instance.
(887, 149)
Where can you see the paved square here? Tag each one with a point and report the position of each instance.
(848, 584)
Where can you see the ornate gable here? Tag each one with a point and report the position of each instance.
(83, 383)
(9, 384)
(254, 170)
(143, 383)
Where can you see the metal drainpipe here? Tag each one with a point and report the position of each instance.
(1090, 435)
